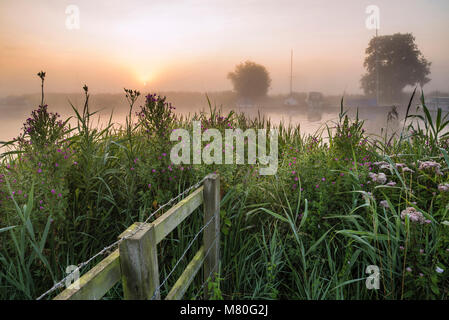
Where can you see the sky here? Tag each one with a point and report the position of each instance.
(171, 45)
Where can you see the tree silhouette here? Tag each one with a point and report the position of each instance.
(250, 80)
(398, 62)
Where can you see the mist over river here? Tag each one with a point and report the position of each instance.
(15, 110)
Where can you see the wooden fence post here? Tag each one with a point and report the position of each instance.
(211, 236)
(139, 265)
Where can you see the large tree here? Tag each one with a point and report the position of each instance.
(250, 80)
(398, 62)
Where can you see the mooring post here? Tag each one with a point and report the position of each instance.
(211, 236)
(139, 265)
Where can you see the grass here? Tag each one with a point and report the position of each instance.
(335, 206)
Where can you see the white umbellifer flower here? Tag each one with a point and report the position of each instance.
(381, 178)
(444, 187)
(439, 270)
(425, 165)
(413, 215)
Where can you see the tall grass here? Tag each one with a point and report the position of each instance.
(308, 232)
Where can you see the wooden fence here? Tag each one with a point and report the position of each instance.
(135, 261)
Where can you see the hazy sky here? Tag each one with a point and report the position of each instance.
(192, 45)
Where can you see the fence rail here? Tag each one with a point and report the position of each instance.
(135, 262)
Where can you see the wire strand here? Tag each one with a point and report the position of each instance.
(182, 256)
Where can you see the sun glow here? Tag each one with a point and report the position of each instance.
(145, 78)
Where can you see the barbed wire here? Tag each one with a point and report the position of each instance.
(183, 255)
(116, 243)
(208, 277)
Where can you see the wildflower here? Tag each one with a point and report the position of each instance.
(75, 163)
(39, 170)
(53, 191)
(323, 179)
(59, 195)
(439, 270)
(413, 215)
(421, 274)
(56, 164)
(407, 169)
(426, 165)
(132, 168)
(382, 164)
(444, 187)
(408, 269)
(381, 178)
(384, 204)
(391, 184)
(401, 247)
(154, 170)
(149, 185)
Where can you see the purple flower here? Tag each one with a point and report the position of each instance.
(53, 191)
(39, 170)
(56, 164)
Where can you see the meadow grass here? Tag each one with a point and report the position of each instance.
(337, 204)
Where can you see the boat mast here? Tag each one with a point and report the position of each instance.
(291, 72)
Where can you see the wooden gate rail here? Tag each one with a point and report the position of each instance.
(135, 261)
